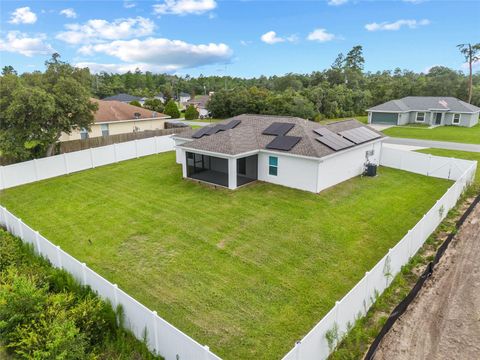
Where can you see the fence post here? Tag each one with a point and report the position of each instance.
(20, 228)
(84, 274)
(37, 241)
(155, 329)
(35, 169)
(65, 162)
(59, 257)
(207, 352)
(298, 355)
(410, 240)
(91, 157)
(366, 291)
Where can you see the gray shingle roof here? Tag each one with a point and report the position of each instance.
(247, 136)
(122, 98)
(425, 103)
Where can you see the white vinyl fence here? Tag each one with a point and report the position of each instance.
(359, 299)
(45, 168)
(162, 337)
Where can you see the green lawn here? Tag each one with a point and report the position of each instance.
(441, 133)
(247, 272)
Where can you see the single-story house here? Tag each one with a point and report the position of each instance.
(124, 98)
(200, 103)
(115, 117)
(283, 150)
(431, 110)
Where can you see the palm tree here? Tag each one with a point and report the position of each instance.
(472, 54)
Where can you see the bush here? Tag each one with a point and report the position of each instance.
(46, 314)
(191, 113)
(154, 105)
(135, 103)
(171, 109)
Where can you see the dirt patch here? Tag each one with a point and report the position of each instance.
(443, 322)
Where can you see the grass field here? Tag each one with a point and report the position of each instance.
(441, 133)
(247, 272)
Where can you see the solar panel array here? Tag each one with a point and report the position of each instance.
(359, 135)
(332, 140)
(210, 130)
(278, 129)
(285, 143)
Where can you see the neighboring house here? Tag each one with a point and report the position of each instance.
(430, 110)
(283, 150)
(160, 96)
(183, 97)
(200, 102)
(124, 98)
(114, 117)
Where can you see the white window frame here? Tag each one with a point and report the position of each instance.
(424, 116)
(84, 134)
(459, 118)
(103, 128)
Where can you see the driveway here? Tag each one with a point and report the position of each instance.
(434, 144)
(443, 322)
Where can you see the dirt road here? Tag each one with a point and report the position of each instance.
(443, 322)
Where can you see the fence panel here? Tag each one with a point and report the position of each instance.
(79, 160)
(351, 307)
(103, 155)
(126, 151)
(28, 234)
(51, 167)
(104, 288)
(73, 266)
(164, 143)
(18, 174)
(146, 147)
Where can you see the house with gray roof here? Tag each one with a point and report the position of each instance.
(283, 150)
(125, 98)
(429, 110)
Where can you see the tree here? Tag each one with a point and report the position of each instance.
(9, 70)
(171, 109)
(154, 105)
(191, 113)
(135, 103)
(471, 54)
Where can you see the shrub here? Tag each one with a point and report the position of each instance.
(171, 109)
(154, 105)
(191, 113)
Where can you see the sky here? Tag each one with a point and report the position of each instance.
(237, 37)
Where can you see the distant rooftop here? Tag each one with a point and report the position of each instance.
(426, 103)
(111, 111)
(122, 98)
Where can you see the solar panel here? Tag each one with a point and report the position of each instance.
(285, 143)
(232, 124)
(332, 140)
(359, 135)
(198, 134)
(278, 129)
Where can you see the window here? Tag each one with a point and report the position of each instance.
(420, 117)
(272, 165)
(83, 134)
(104, 128)
(456, 119)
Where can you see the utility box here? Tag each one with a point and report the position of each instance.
(371, 170)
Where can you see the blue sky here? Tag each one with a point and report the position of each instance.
(239, 38)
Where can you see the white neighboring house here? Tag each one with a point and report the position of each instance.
(282, 150)
(429, 110)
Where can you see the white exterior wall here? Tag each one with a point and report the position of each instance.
(179, 153)
(403, 118)
(294, 172)
(344, 166)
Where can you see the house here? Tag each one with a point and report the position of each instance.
(183, 97)
(283, 150)
(160, 96)
(115, 117)
(430, 110)
(124, 98)
(200, 103)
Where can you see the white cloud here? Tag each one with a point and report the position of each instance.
(129, 4)
(320, 35)
(96, 30)
(123, 68)
(23, 15)
(271, 38)
(69, 13)
(184, 7)
(337, 2)
(160, 53)
(397, 25)
(21, 43)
